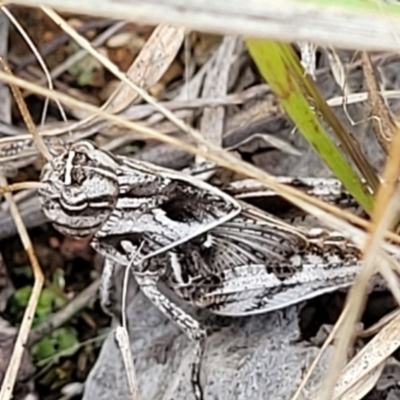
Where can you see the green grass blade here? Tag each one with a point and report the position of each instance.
(280, 67)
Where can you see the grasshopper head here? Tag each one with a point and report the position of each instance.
(82, 189)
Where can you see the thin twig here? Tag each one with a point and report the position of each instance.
(381, 218)
(41, 62)
(21, 185)
(121, 335)
(22, 337)
(26, 116)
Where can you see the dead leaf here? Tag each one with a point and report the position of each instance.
(149, 66)
(364, 369)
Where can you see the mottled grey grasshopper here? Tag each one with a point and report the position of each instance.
(209, 248)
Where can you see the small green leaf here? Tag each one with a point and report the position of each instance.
(61, 340)
(43, 349)
(21, 296)
(49, 301)
(85, 78)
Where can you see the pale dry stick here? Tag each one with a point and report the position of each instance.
(213, 153)
(325, 23)
(121, 335)
(147, 110)
(358, 372)
(41, 62)
(381, 219)
(22, 337)
(125, 287)
(272, 140)
(388, 269)
(341, 77)
(360, 97)
(339, 71)
(21, 185)
(381, 347)
(216, 85)
(120, 75)
(363, 386)
(375, 328)
(18, 197)
(125, 296)
(308, 58)
(187, 55)
(26, 116)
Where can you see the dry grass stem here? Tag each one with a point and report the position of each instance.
(26, 115)
(382, 217)
(20, 186)
(42, 64)
(22, 337)
(375, 328)
(215, 154)
(364, 364)
(122, 338)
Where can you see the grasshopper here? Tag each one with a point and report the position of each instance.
(211, 249)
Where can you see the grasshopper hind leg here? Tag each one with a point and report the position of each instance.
(192, 328)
